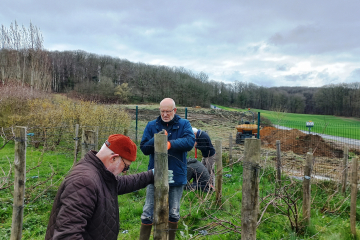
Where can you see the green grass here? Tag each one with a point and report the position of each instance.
(327, 124)
(197, 211)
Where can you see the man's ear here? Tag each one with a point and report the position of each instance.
(175, 110)
(113, 156)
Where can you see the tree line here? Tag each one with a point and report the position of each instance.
(23, 60)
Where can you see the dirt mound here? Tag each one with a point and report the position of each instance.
(298, 142)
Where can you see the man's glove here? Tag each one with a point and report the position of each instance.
(170, 175)
(168, 145)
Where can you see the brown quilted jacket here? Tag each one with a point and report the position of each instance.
(86, 204)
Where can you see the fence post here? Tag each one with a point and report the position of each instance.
(87, 141)
(76, 142)
(19, 183)
(345, 169)
(230, 151)
(96, 142)
(219, 170)
(278, 161)
(307, 188)
(354, 180)
(258, 127)
(250, 189)
(136, 125)
(161, 192)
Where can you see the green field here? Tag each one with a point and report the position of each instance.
(326, 124)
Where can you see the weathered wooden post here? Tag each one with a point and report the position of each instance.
(345, 170)
(307, 188)
(218, 170)
(76, 139)
(278, 162)
(354, 183)
(250, 189)
(161, 192)
(88, 141)
(96, 147)
(230, 151)
(19, 183)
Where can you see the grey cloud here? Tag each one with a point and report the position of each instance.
(244, 40)
(298, 77)
(282, 67)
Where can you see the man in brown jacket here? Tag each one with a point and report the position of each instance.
(86, 204)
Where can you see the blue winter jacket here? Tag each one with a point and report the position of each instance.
(182, 140)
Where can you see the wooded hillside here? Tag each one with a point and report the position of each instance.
(24, 61)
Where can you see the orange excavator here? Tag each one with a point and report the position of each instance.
(245, 129)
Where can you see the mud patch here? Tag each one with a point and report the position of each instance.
(299, 142)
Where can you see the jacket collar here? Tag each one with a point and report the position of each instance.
(99, 165)
(174, 121)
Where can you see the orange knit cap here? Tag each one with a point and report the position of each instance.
(122, 145)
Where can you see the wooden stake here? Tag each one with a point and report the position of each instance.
(250, 189)
(19, 183)
(354, 183)
(76, 142)
(218, 170)
(161, 192)
(307, 188)
(87, 142)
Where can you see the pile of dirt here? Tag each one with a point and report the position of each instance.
(298, 142)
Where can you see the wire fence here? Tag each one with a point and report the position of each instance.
(51, 152)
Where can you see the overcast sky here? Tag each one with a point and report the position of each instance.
(269, 42)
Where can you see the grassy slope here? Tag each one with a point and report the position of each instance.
(331, 125)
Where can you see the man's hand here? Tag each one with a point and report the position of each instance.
(168, 145)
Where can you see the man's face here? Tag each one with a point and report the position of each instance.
(167, 112)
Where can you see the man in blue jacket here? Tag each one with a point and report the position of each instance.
(181, 139)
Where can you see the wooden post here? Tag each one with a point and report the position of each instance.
(96, 142)
(354, 183)
(19, 183)
(76, 142)
(88, 142)
(218, 170)
(345, 169)
(307, 188)
(278, 161)
(161, 192)
(230, 151)
(250, 189)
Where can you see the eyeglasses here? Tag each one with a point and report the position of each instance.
(126, 166)
(163, 112)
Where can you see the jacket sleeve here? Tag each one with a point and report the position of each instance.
(147, 141)
(77, 201)
(186, 141)
(130, 183)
